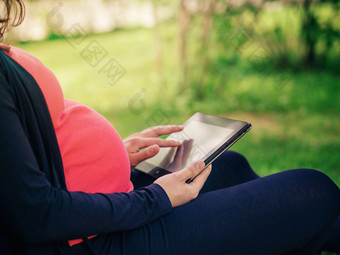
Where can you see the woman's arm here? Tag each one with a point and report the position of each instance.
(35, 212)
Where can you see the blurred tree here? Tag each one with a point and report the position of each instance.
(319, 32)
(184, 21)
(157, 41)
(206, 28)
(310, 30)
(314, 31)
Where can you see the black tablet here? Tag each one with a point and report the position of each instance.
(204, 137)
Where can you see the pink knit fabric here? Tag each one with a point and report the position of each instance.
(94, 156)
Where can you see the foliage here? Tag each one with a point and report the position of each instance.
(307, 30)
(295, 123)
(271, 39)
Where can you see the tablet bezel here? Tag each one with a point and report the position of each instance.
(240, 128)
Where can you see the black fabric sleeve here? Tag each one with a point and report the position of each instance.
(33, 211)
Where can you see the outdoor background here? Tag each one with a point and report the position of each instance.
(139, 63)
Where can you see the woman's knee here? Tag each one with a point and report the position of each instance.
(236, 162)
(320, 186)
(317, 179)
(232, 158)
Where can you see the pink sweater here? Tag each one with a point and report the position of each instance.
(94, 157)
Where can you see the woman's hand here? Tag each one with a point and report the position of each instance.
(175, 186)
(149, 140)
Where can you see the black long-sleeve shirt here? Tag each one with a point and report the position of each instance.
(36, 213)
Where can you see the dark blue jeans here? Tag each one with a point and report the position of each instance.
(291, 212)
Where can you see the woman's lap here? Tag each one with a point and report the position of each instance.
(269, 215)
(231, 168)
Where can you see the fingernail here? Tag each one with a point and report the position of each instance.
(154, 148)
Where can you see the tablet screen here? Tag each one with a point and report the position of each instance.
(204, 137)
(198, 139)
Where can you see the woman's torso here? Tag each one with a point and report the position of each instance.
(94, 156)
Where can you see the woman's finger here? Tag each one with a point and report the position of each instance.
(149, 152)
(200, 179)
(161, 130)
(145, 142)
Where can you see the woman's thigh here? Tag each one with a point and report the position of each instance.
(284, 212)
(230, 169)
(333, 241)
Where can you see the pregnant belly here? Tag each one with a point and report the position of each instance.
(94, 157)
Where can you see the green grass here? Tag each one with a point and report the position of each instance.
(296, 124)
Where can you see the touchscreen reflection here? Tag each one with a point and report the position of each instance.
(178, 157)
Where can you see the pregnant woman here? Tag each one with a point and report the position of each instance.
(66, 184)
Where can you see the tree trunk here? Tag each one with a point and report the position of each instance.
(309, 33)
(183, 19)
(204, 47)
(157, 41)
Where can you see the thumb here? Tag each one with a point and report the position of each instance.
(145, 154)
(192, 170)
